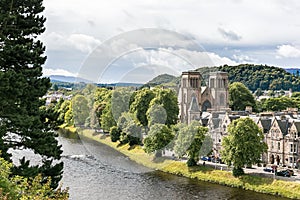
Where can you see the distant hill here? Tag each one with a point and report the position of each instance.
(253, 76)
(67, 79)
(262, 76)
(163, 79)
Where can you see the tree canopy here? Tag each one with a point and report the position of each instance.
(244, 144)
(240, 96)
(158, 138)
(22, 86)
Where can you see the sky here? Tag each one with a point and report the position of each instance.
(133, 41)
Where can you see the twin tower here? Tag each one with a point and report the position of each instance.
(193, 98)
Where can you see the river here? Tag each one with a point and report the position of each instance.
(95, 171)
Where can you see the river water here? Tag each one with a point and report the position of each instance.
(95, 171)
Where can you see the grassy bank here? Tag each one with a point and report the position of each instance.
(247, 182)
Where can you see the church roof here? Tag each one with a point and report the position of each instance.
(194, 107)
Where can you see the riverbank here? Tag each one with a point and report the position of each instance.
(247, 182)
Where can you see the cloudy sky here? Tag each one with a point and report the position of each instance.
(110, 40)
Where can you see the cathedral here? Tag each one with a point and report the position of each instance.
(194, 99)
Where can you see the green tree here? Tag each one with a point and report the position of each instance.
(194, 149)
(140, 105)
(156, 114)
(107, 119)
(189, 141)
(168, 99)
(278, 103)
(158, 138)
(17, 187)
(80, 110)
(131, 131)
(240, 96)
(120, 101)
(22, 86)
(244, 145)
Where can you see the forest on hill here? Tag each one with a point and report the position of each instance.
(253, 76)
(262, 76)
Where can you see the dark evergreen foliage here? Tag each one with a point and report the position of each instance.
(23, 124)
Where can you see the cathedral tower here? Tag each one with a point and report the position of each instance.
(218, 84)
(189, 97)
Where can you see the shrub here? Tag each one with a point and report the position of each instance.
(115, 133)
(237, 172)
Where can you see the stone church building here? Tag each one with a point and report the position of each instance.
(194, 99)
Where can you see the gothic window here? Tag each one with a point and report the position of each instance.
(278, 146)
(222, 100)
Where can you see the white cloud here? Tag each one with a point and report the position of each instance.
(78, 26)
(288, 51)
(243, 58)
(49, 72)
(81, 42)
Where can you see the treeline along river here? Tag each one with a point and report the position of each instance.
(96, 171)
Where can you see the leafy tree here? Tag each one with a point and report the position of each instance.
(183, 139)
(17, 187)
(278, 103)
(140, 105)
(68, 117)
(168, 99)
(156, 114)
(120, 101)
(80, 110)
(207, 145)
(189, 141)
(22, 86)
(107, 119)
(158, 138)
(240, 96)
(131, 131)
(244, 144)
(195, 147)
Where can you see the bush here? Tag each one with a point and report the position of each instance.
(236, 172)
(191, 162)
(133, 140)
(115, 133)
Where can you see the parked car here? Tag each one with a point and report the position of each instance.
(206, 158)
(291, 172)
(268, 170)
(217, 160)
(284, 173)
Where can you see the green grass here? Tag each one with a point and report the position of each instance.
(248, 182)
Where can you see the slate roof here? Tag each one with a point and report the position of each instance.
(266, 124)
(283, 125)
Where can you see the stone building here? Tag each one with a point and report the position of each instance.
(194, 99)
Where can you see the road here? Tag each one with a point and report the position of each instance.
(255, 170)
